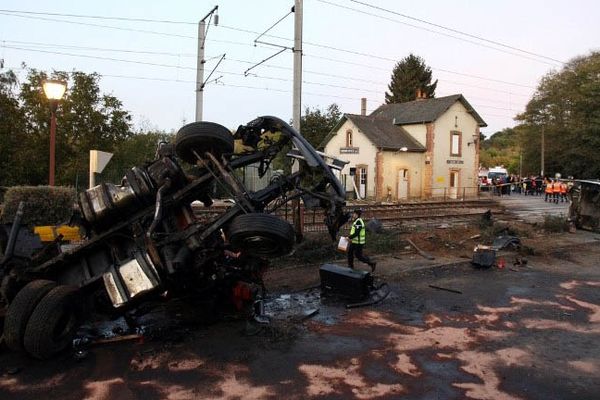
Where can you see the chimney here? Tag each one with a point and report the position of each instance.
(363, 106)
(421, 95)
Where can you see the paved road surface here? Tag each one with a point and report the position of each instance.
(514, 333)
(531, 208)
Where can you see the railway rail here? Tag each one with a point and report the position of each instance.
(422, 214)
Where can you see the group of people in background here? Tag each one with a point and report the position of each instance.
(556, 189)
(553, 190)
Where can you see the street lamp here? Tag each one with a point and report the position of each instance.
(54, 91)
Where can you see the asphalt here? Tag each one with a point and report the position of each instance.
(531, 209)
(514, 333)
(521, 332)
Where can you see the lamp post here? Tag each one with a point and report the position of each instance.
(54, 91)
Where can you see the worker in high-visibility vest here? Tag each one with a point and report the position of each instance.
(358, 239)
(563, 191)
(556, 190)
(549, 190)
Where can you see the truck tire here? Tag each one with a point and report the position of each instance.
(54, 322)
(202, 137)
(263, 235)
(21, 308)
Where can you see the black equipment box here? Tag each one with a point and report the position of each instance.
(344, 281)
(484, 256)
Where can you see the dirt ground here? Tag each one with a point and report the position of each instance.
(521, 332)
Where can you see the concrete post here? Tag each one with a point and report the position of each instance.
(297, 95)
(200, 70)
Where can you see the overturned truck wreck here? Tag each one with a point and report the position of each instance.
(144, 244)
(584, 211)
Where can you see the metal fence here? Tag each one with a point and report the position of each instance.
(455, 193)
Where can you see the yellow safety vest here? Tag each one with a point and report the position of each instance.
(362, 236)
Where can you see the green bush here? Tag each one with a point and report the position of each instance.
(44, 205)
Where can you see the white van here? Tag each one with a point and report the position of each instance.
(497, 172)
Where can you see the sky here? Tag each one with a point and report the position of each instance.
(349, 48)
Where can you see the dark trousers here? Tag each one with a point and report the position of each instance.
(357, 250)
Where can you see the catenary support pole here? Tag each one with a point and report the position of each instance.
(200, 70)
(297, 100)
(297, 104)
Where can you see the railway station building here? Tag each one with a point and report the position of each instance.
(421, 149)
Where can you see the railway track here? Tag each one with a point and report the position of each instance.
(413, 215)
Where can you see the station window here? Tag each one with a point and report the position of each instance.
(455, 143)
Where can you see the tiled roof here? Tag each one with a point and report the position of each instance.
(424, 110)
(383, 134)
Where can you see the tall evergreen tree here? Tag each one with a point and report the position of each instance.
(409, 75)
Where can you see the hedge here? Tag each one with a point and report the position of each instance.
(44, 205)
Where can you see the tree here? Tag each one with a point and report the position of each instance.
(408, 76)
(566, 105)
(316, 124)
(87, 119)
(132, 151)
(12, 125)
(503, 148)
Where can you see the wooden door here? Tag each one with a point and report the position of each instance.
(402, 184)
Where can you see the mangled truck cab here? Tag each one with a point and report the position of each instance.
(145, 244)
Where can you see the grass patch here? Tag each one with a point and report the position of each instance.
(555, 223)
(318, 247)
(490, 232)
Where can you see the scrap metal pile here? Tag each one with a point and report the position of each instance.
(144, 244)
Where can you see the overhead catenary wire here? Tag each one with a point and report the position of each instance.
(264, 89)
(219, 71)
(478, 37)
(235, 60)
(260, 88)
(179, 22)
(192, 68)
(145, 31)
(430, 30)
(102, 49)
(171, 54)
(187, 67)
(249, 87)
(178, 67)
(318, 45)
(438, 33)
(102, 17)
